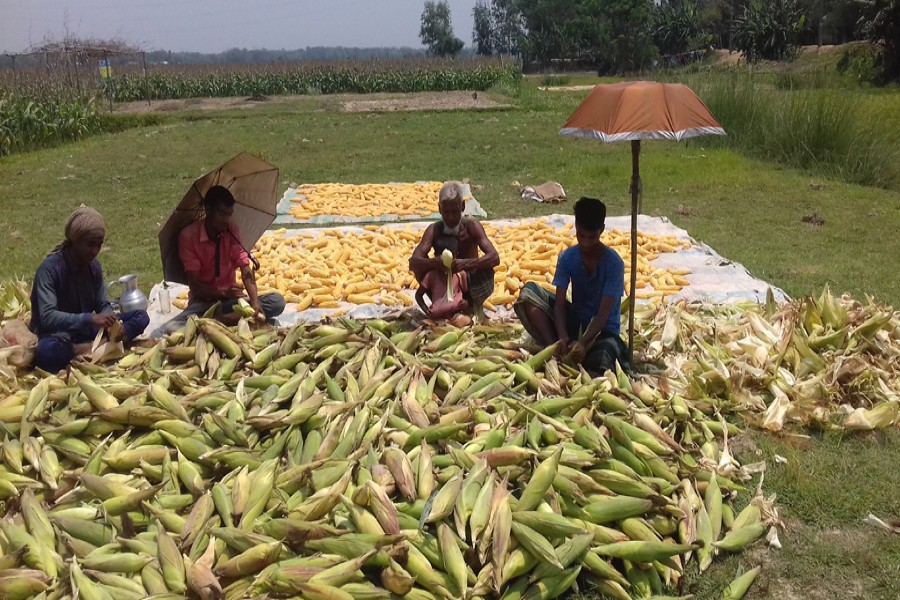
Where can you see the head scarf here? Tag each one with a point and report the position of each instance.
(83, 221)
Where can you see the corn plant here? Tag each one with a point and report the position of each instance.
(173, 82)
(41, 107)
(33, 122)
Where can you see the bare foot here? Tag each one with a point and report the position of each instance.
(461, 320)
(478, 314)
(82, 349)
(230, 319)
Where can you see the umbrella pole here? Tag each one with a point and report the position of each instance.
(635, 192)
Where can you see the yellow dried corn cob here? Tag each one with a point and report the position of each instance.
(334, 266)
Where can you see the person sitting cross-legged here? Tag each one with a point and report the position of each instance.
(69, 305)
(464, 237)
(211, 252)
(587, 329)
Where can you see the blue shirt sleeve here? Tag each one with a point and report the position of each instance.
(614, 279)
(563, 274)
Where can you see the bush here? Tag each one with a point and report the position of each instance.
(815, 80)
(768, 29)
(862, 63)
(680, 27)
(27, 123)
(114, 123)
(880, 23)
(511, 88)
(821, 130)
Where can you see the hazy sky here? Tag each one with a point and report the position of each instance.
(213, 26)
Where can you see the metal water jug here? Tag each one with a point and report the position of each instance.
(132, 297)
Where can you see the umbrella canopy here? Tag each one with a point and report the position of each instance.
(251, 181)
(641, 110)
(634, 111)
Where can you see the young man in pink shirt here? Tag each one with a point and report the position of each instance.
(211, 251)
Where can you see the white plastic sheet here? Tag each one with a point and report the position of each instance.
(713, 278)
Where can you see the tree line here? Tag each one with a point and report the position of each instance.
(121, 51)
(627, 35)
(311, 53)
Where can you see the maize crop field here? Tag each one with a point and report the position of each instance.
(374, 460)
(323, 271)
(27, 123)
(165, 82)
(40, 106)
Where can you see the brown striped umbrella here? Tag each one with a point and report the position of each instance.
(251, 180)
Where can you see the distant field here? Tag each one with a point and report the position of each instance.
(131, 82)
(40, 107)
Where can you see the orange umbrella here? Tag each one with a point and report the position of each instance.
(635, 111)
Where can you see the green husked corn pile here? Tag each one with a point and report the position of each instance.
(831, 362)
(351, 460)
(356, 461)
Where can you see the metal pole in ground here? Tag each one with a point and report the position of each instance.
(65, 56)
(635, 209)
(109, 78)
(146, 83)
(77, 78)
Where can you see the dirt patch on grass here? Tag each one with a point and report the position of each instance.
(807, 270)
(421, 101)
(745, 447)
(823, 49)
(817, 564)
(343, 102)
(850, 589)
(728, 58)
(852, 539)
(567, 88)
(184, 104)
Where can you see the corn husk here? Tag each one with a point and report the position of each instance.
(340, 456)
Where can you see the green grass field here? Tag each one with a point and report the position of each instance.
(748, 209)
